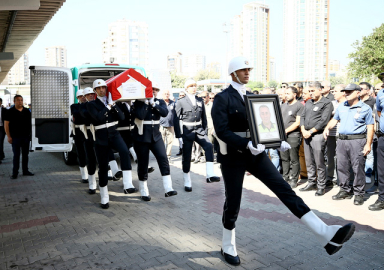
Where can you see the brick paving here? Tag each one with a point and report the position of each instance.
(49, 221)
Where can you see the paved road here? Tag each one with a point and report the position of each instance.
(48, 221)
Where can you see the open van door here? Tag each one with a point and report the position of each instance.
(51, 97)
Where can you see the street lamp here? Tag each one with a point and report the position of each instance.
(226, 31)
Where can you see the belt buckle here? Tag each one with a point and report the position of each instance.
(152, 122)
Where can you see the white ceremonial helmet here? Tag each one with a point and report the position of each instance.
(237, 63)
(80, 92)
(155, 85)
(98, 83)
(189, 82)
(87, 90)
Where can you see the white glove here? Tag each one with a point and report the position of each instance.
(284, 146)
(151, 101)
(255, 151)
(180, 141)
(110, 101)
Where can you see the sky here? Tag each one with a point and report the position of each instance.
(189, 27)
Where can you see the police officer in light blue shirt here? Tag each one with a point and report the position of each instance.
(379, 204)
(354, 143)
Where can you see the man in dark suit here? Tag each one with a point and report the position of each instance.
(147, 137)
(238, 154)
(191, 126)
(3, 111)
(105, 116)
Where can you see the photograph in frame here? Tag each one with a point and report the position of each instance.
(265, 120)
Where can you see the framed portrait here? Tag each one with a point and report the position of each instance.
(265, 120)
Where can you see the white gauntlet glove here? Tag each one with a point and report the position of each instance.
(181, 141)
(110, 101)
(255, 151)
(152, 101)
(284, 146)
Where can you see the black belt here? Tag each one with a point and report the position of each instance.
(352, 137)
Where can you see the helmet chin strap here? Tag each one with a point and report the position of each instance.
(237, 78)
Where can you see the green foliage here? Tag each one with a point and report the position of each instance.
(336, 80)
(273, 84)
(368, 57)
(177, 81)
(205, 74)
(255, 85)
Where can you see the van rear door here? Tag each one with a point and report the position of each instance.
(51, 97)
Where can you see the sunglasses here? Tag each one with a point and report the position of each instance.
(204, 96)
(377, 89)
(211, 98)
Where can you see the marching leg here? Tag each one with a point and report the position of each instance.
(228, 249)
(167, 182)
(144, 191)
(127, 181)
(133, 153)
(331, 237)
(92, 184)
(208, 148)
(211, 177)
(104, 197)
(187, 182)
(84, 174)
(116, 173)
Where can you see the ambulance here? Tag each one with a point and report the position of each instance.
(53, 91)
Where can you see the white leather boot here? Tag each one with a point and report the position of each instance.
(92, 184)
(167, 183)
(144, 191)
(104, 197)
(187, 182)
(84, 174)
(116, 172)
(211, 177)
(229, 247)
(133, 153)
(127, 182)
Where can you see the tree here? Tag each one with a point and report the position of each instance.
(273, 84)
(368, 57)
(336, 80)
(206, 74)
(177, 81)
(255, 85)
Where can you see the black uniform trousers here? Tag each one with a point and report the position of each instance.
(17, 144)
(187, 150)
(127, 137)
(262, 168)
(103, 154)
(142, 151)
(380, 167)
(2, 136)
(290, 159)
(80, 147)
(91, 155)
(350, 154)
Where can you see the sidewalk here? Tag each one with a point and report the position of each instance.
(49, 221)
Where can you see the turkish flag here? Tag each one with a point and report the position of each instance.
(129, 85)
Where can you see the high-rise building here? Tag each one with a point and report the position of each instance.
(249, 37)
(272, 69)
(127, 43)
(19, 73)
(306, 40)
(175, 62)
(193, 64)
(215, 67)
(56, 56)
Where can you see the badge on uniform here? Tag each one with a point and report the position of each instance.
(315, 109)
(356, 115)
(157, 102)
(290, 113)
(200, 104)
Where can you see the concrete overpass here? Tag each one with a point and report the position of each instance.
(21, 22)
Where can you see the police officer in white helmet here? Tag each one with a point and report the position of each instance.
(191, 126)
(105, 116)
(237, 154)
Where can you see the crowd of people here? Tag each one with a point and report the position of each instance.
(317, 119)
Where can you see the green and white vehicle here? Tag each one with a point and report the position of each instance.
(53, 91)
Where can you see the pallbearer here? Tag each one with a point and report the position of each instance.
(147, 137)
(105, 116)
(78, 133)
(191, 126)
(89, 140)
(231, 126)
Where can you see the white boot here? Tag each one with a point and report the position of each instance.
(144, 190)
(92, 182)
(322, 231)
(84, 173)
(116, 172)
(167, 182)
(127, 182)
(133, 153)
(104, 196)
(229, 242)
(211, 177)
(187, 182)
